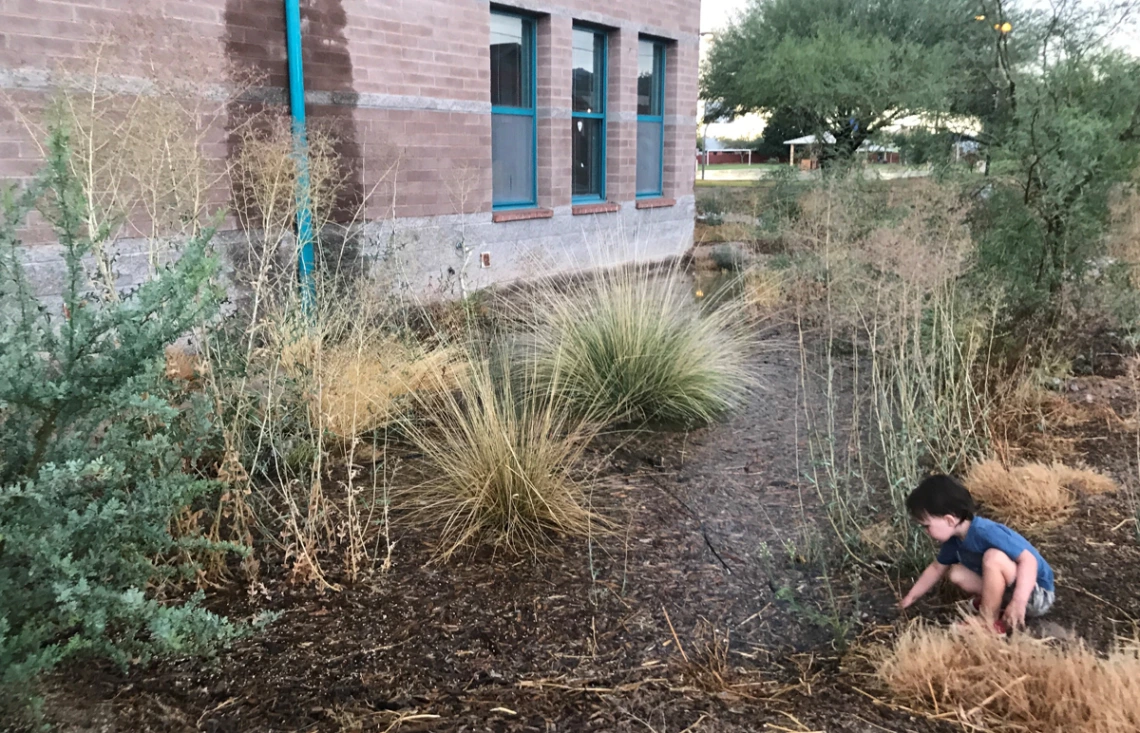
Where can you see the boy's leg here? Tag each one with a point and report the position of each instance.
(998, 573)
(966, 579)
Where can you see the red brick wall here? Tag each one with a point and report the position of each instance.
(409, 78)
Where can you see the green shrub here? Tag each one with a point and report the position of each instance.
(633, 340)
(93, 450)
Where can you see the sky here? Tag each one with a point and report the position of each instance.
(715, 14)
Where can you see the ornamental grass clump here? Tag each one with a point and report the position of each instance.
(502, 463)
(634, 340)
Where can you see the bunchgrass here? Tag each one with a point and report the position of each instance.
(502, 465)
(634, 340)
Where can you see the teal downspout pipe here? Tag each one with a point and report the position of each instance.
(305, 264)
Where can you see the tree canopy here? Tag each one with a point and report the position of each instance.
(855, 66)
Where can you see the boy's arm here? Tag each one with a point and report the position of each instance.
(1022, 588)
(926, 581)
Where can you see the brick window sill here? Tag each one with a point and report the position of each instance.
(657, 203)
(605, 207)
(500, 217)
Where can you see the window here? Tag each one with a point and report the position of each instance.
(513, 136)
(588, 123)
(650, 117)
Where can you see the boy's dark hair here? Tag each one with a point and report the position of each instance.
(939, 495)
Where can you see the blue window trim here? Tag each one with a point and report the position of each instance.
(529, 28)
(660, 120)
(604, 76)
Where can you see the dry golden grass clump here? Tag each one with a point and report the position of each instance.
(362, 387)
(763, 289)
(1034, 495)
(503, 460)
(1023, 683)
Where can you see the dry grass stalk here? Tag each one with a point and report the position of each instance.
(890, 295)
(763, 290)
(296, 377)
(501, 461)
(360, 387)
(1020, 684)
(1123, 238)
(1033, 496)
(140, 131)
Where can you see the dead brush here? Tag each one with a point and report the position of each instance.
(707, 667)
(763, 290)
(363, 384)
(1027, 418)
(502, 460)
(986, 682)
(1033, 496)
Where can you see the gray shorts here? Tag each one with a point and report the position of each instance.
(1040, 601)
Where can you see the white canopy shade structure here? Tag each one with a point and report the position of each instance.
(806, 140)
(829, 139)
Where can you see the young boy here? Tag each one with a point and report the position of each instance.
(984, 558)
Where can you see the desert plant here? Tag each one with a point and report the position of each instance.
(300, 380)
(985, 681)
(727, 257)
(94, 445)
(500, 464)
(634, 340)
(893, 317)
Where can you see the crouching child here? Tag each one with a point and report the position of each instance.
(986, 559)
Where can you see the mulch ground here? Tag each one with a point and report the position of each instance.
(705, 608)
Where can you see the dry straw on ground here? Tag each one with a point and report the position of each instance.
(1021, 684)
(1034, 495)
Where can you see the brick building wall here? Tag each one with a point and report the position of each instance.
(405, 85)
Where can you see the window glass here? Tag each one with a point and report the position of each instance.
(512, 154)
(650, 64)
(587, 136)
(589, 60)
(509, 54)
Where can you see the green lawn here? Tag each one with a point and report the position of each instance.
(731, 184)
(742, 166)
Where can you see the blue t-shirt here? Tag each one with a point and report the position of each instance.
(984, 534)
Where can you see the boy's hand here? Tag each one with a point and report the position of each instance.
(1015, 614)
(906, 602)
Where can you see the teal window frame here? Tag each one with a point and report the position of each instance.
(601, 75)
(659, 119)
(531, 30)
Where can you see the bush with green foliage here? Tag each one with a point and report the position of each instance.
(97, 450)
(1067, 136)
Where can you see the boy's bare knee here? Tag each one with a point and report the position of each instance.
(997, 562)
(996, 559)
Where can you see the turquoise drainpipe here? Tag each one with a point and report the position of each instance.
(305, 263)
